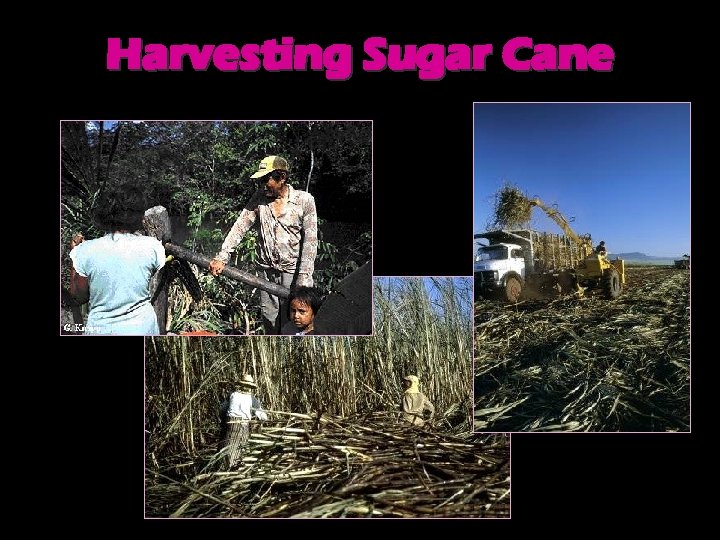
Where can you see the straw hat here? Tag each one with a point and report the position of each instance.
(247, 380)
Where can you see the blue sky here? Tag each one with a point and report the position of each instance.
(621, 170)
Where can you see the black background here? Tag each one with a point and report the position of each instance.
(423, 222)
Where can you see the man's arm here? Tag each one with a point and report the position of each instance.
(257, 408)
(429, 407)
(310, 243)
(406, 404)
(242, 225)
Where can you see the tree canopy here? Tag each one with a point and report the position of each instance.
(200, 171)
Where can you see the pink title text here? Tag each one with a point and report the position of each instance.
(431, 61)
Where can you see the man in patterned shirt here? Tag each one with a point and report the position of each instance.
(287, 235)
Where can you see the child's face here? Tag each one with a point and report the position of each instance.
(301, 314)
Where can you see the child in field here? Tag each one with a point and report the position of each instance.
(303, 304)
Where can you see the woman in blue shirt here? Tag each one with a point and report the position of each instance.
(113, 272)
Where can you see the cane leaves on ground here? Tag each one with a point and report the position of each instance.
(334, 444)
(588, 364)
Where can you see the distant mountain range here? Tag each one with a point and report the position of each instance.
(636, 256)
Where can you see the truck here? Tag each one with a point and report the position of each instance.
(683, 263)
(513, 262)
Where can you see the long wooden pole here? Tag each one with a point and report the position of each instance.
(230, 271)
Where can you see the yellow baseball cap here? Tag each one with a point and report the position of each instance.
(270, 164)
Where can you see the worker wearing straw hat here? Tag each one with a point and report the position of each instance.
(415, 403)
(286, 221)
(242, 406)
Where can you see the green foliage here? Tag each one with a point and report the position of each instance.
(198, 208)
(326, 252)
(333, 263)
(245, 250)
(201, 170)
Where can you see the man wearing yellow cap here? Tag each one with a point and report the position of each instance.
(287, 235)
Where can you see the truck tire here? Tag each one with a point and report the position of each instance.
(611, 284)
(477, 289)
(513, 288)
(566, 283)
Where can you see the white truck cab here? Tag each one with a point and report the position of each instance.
(495, 263)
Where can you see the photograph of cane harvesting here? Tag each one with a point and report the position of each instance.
(582, 267)
(216, 227)
(327, 427)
